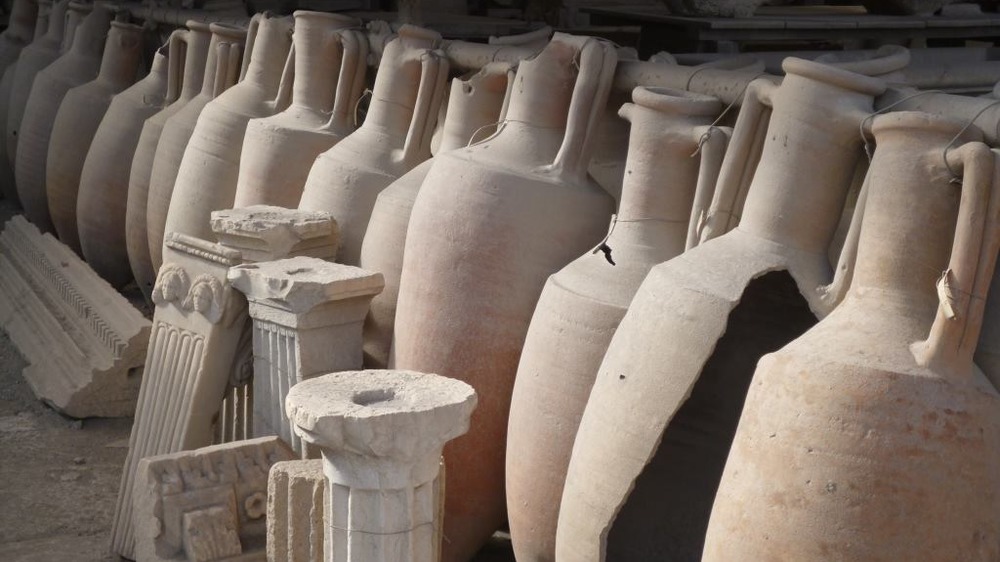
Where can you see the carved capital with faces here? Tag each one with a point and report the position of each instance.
(206, 295)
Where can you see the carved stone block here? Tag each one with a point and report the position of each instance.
(295, 492)
(207, 504)
(85, 343)
(307, 316)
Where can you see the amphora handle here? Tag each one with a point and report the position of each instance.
(351, 80)
(176, 52)
(741, 160)
(962, 288)
(430, 93)
(227, 67)
(252, 30)
(713, 142)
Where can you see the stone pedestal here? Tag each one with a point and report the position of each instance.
(381, 434)
(200, 349)
(307, 319)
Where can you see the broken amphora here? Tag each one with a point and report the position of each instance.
(345, 180)
(490, 224)
(654, 436)
(873, 436)
(582, 304)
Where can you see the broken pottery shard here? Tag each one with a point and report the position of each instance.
(206, 504)
(85, 343)
(307, 320)
(265, 232)
(295, 491)
(193, 343)
(381, 434)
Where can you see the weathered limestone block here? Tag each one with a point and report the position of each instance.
(200, 349)
(264, 233)
(85, 343)
(381, 434)
(295, 492)
(196, 331)
(206, 504)
(307, 316)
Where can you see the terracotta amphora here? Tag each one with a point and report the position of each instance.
(79, 65)
(222, 70)
(188, 54)
(474, 109)
(873, 436)
(25, 18)
(652, 443)
(330, 68)
(206, 179)
(395, 137)
(76, 123)
(39, 54)
(582, 304)
(490, 224)
(101, 202)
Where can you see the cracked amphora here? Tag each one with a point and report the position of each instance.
(654, 436)
(490, 224)
(873, 436)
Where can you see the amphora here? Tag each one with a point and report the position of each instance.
(206, 178)
(188, 50)
(490, 224)
(26, 17)
(654, 436)
(395, 137)
(101, 202)
(79, 65)
(330, 68)
(76, 123)
(582, 304)
(474, 109)
(873, 436)
(222, 70)
(35, 57)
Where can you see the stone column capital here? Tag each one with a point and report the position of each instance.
(265, 233)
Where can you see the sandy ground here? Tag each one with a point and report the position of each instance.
(59, 476)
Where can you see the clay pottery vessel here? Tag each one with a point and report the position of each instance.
(76, 123)
(222, 70)
(26, 17)
(188, 53)
(874, 428)
(474, 109)
(582, 304)
(79, 65)
(330, 68)
(395, 137)
(206, 179)
(42, 52)
(490, 224)
(104, 180)
(652, 443)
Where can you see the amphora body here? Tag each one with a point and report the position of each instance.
(475, 104)
(654, 436)
(101, 202)
(395, 137)
(330, 69)
(873, 436)
(206, 179)
(79, 65)
(583, 303)
(28, 20)
(42, 52)
(222, 70)
(189, 51)
(76, 123)
(490, 224)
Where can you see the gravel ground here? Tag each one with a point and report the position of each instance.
(59, 476)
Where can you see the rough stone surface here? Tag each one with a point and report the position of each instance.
(85, 342)
(206, 504)
(264, 232)
(295, 491)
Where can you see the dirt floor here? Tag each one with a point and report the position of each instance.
(59, 476)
